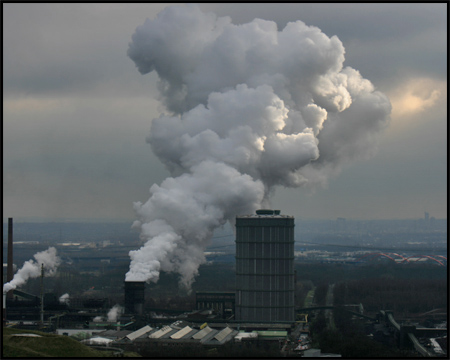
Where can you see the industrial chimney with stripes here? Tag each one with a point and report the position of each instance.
(265, 267)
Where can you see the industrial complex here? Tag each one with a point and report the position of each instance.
(260, 313)
(261, 308)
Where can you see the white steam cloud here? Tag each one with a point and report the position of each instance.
(32, 268)
(64, 299)
(250, 108)
(114, 313)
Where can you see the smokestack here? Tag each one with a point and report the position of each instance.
(42, 294)
(134, 297)
(4, 308)
(10, 270)
(281, 110)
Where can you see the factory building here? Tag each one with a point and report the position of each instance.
(179, 333)
(265, 267)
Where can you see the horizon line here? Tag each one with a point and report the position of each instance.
(37, 219)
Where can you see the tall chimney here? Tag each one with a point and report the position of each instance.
(134, 297)
(10, 269)
(42, 295)
(4, 309)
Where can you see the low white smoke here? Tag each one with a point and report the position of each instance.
(251, 108)
(98, 319)
(114, 313)
(32, 268)
(64, 299)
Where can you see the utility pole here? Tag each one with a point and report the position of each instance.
(42, 295)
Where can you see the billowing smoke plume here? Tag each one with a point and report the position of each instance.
(64, 299)
(250, 107)
(114, 313)
(32, 268)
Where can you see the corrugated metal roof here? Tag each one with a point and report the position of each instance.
(181, 333)
(202, 333)
(209, 336)
(160, 332)
(223, 334)
(134, 335)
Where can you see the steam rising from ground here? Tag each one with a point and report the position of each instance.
(64, 299)
(32, 268)
(114, 312)
(250, 108)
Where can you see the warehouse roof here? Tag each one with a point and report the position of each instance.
(220, 337)
(223, 334)
(179, 334)
(202, 333)
(161, 332)
(134, 335)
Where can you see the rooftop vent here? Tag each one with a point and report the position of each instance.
(267, 212)
(264, 212)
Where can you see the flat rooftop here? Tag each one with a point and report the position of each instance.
(265, 213)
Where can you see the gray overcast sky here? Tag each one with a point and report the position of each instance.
(76, 111)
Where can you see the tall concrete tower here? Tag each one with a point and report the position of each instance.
(265, 267)
(134, 297)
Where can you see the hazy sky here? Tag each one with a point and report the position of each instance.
(76, 111)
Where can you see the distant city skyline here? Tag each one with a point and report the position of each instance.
(77, 111)
(127, 220)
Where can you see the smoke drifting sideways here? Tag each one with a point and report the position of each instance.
(249, 108)
(32, 268)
